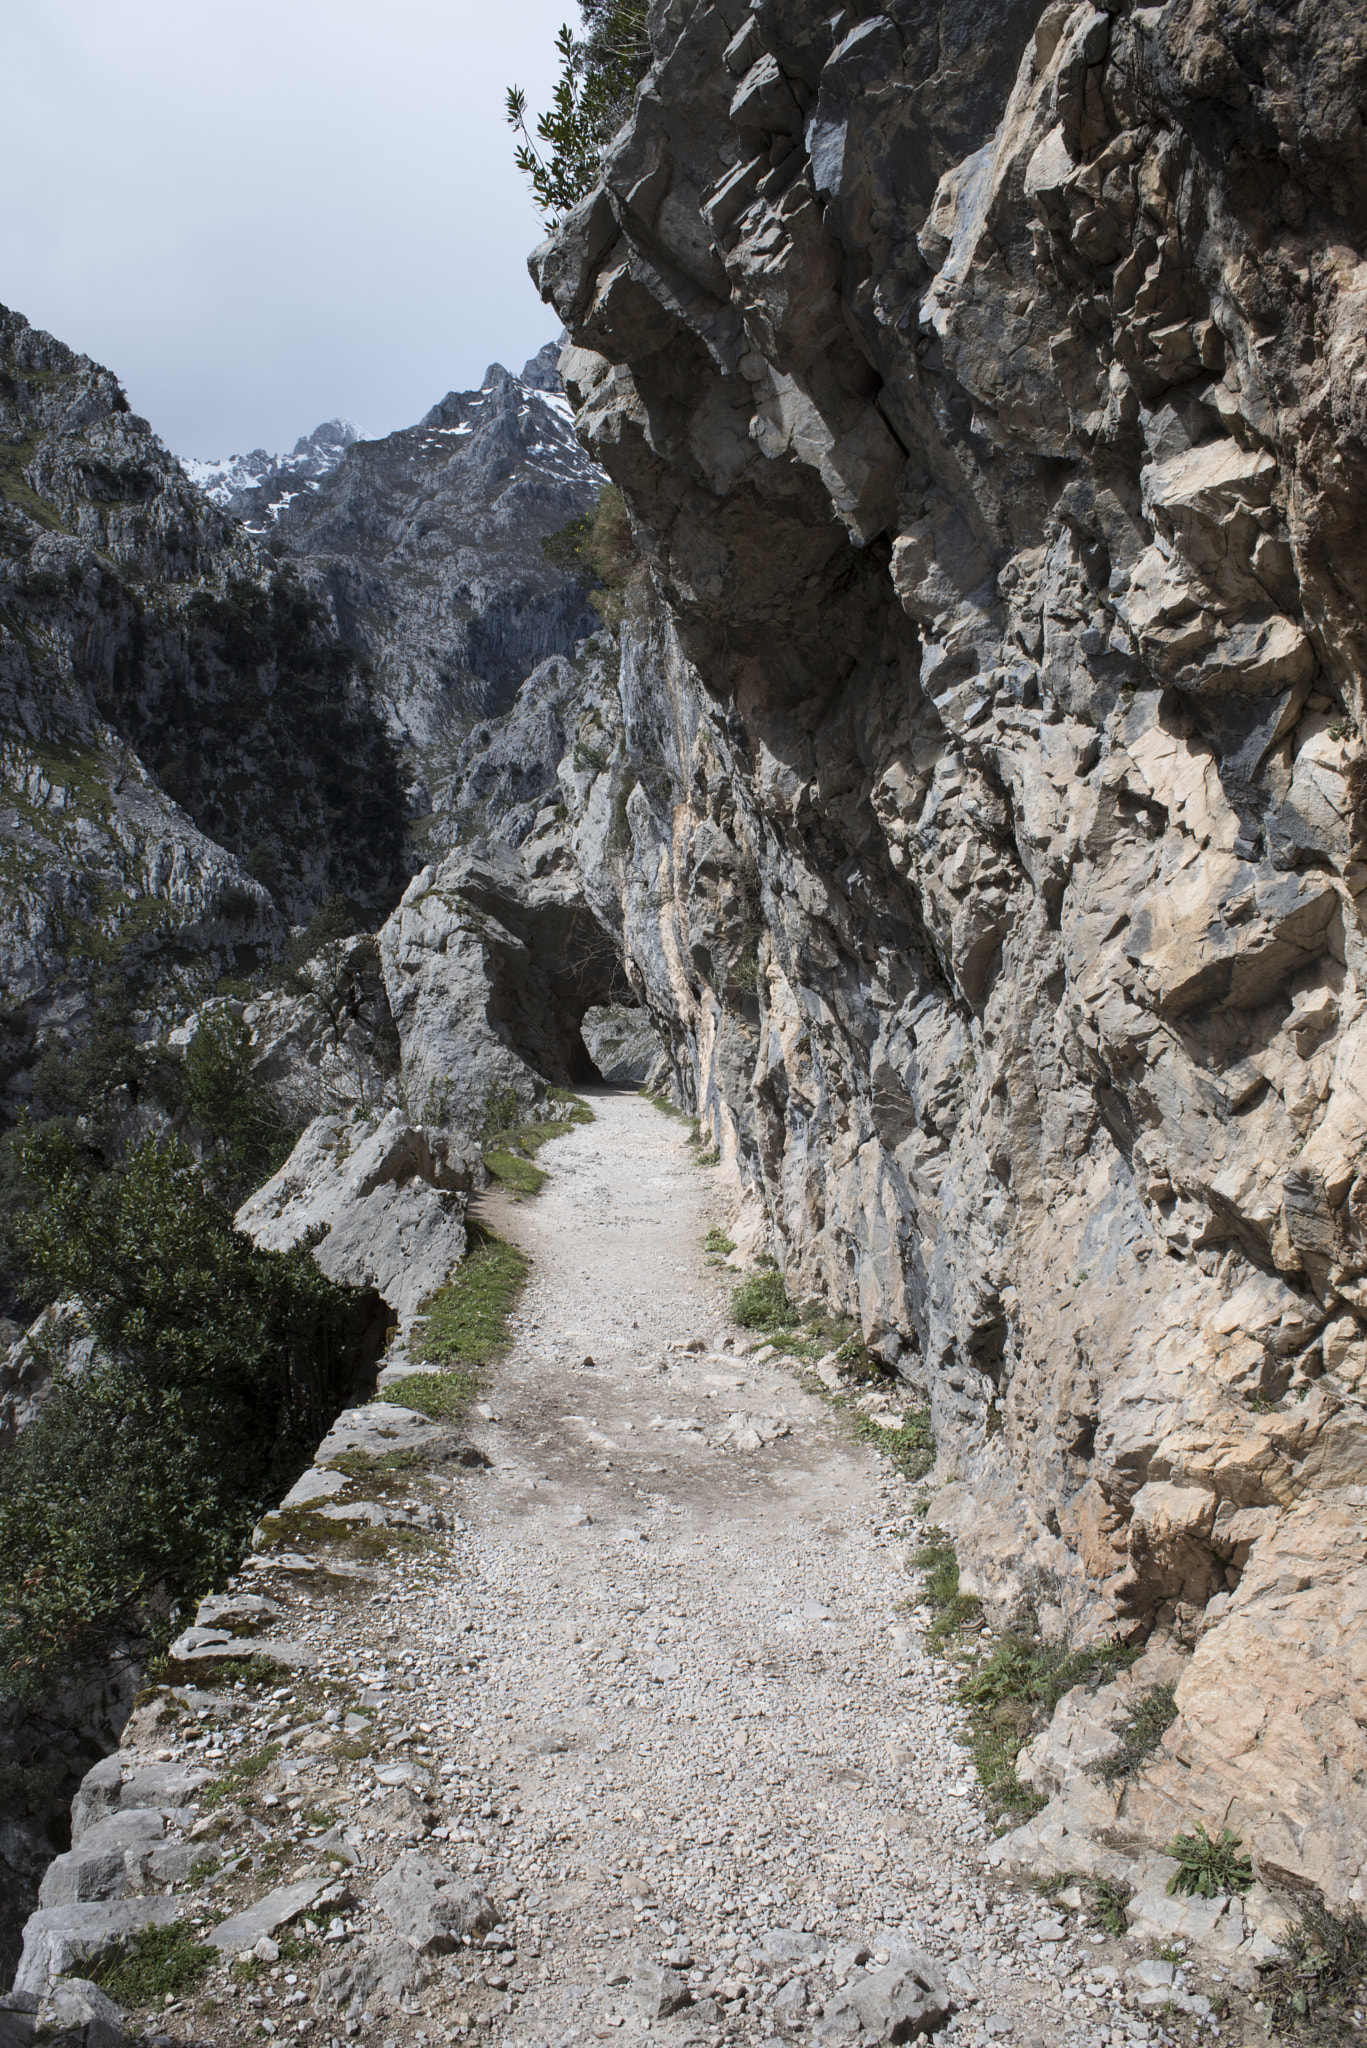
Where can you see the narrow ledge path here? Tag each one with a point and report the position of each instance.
(637, 1739)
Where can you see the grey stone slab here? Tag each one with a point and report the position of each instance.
(276, 1909)
(56, 1937)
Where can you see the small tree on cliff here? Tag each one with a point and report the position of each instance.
(599, 73)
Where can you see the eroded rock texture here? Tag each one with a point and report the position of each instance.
(981, 807)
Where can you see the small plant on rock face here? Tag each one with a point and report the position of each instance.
(717, 1242)
(156, 1964)
(1209, 1864)
(761, 1303)
(1108, 1900)
(1143, 1729)
(1316, 1991)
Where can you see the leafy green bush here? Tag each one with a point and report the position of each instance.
(234, 1112)
(136, 1486)
(1207, 1865)
(598, 74)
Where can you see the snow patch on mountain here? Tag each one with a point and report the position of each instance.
(257, 487)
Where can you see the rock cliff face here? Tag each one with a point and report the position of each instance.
(980, 803)
(426, 547)
(189, 753)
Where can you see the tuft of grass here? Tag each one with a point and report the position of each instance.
(156, 1964)
(466, 1322)
(443, 1396)
(950, 1609)
(237, 1778)
(514, 1172)
(1010, 1695)
(1315, 1992)
(1152, 1714)
(911, 1448)
(761, 1303)
(372, 1464)
(1107, 1899)
(1209, 1864)
(718, 1243)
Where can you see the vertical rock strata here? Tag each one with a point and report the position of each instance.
(980, 802)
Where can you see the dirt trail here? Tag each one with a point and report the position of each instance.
(709, 1727)
(646, 1680)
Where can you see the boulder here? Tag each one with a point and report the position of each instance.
(390, 1196)
(428, 1908)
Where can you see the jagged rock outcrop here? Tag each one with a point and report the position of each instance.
(426, 545)
(490, 962)
(386, 1198)
(981, 814)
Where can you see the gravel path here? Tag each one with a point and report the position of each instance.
(658, 1693)
(700, 1724)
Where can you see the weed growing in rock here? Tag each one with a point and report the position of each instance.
(1151, 1715)
(466, 1322)
(1207, 1865)
(154, 1965)
(718, 1243)
(911, 1447)
(1316, 1991)
(950, 1609)
(237, 1778)
(761, 1303)
(1107, 1900)
(1011, 1693)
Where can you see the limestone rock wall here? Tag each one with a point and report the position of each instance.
(979, 805)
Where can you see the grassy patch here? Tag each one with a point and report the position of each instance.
(1010, 1694)
(1207, 1864)
(442, 1396)
(154, 1965)
(761, 1303)
(1152, 1714)
(1314, 1993)
(515, 1172)
(950, 1609)
(718, 1243)
(665, 1106)
(374, 1464)
(238, 1777)
(256, 1673)
(911, 1447)
(466, 1322)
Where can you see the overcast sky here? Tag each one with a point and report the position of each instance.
(261, 214)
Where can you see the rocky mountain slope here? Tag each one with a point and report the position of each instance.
(426, 546)
(979, 802)
(190, 753)
(256, 488)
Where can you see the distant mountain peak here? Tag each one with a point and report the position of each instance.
(261, 484)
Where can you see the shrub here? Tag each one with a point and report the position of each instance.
(599, 550)
(137, 1484)
(598, 74)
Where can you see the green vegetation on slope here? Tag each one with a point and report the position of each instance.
(135, 1488)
